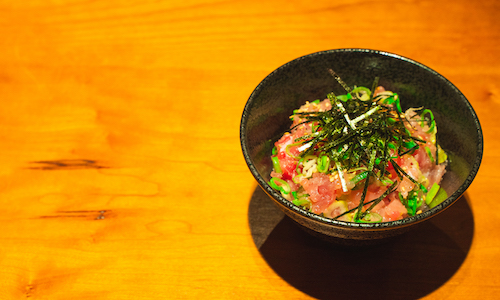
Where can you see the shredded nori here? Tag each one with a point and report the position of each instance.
(360, 130)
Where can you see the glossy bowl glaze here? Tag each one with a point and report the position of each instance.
(266, 117)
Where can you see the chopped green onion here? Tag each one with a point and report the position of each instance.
(301, 202)
(442, 156)
(362, 93)
(440, 197)
(276, 164)
(412, 205)
(410, 144)
(431, 116)
(359, 177)
(390, 100)
(432, 193)
(386, 181)
(359, 169)
(394, 99)
(323, 164)
(343, 98)
(371, 217)
(296, 179)
(429, 154)
(398, 104)
(280, 185)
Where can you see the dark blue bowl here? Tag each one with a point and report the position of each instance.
(267, 111)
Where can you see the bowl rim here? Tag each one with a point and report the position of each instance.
(279, 199)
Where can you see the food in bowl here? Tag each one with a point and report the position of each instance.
(358, 157)
(266, 115)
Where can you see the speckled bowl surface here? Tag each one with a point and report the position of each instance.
(266, 117)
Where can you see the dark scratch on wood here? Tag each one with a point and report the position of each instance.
(66, 164)
(81, 211)
(29, 290)
(59, 216)
(101, 214)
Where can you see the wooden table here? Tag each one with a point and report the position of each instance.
(121, 173)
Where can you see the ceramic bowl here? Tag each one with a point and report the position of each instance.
(266, 117)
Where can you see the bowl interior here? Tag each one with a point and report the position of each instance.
(266, 114)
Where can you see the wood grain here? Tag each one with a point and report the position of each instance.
(120, 165)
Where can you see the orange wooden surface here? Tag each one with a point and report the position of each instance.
(121, 173)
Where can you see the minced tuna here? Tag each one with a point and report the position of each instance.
(359, 158)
